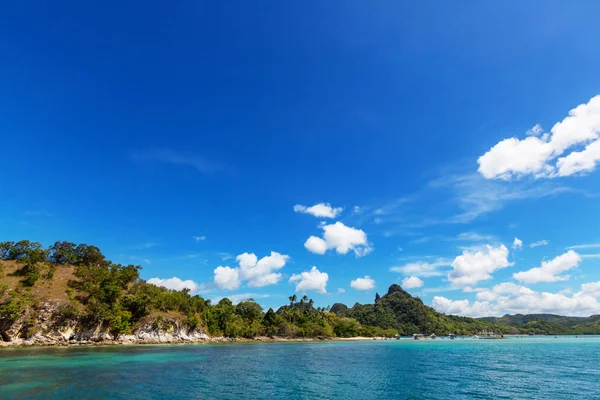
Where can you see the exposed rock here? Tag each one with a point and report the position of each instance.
(45, 328)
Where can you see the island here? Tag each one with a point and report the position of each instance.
(70, 294)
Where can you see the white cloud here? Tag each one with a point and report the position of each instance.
(517, 244)
(227, 278)
(586, 246)
(590, 256)
(313, 280)
(199, 238)
(461, 307)
(257, 273)
(261, 273)
(340, 237)
(539, 243)
(550, 270)
(535, 131)
(321, 210)
(469, 289)
(341, 290)
(510, 298)
(539, 154)
(175, 283)
(591, 289)
(501, 289)
(473, 237)
(411, 282)
(365, 283)
(472, 267)
(422, 268)
(316, 245)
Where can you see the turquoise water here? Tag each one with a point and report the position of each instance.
(526, 368)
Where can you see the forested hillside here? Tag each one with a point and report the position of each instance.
(549, 324)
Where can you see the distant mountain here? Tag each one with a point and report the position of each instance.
(547, 324)
(408, 315)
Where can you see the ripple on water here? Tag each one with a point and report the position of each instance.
(537, 368)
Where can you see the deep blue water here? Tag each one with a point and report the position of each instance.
(527, 368)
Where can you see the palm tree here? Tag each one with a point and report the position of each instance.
(292, 299)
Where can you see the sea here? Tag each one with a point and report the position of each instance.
(561, 368)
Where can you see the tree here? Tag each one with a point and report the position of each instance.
(64, 253)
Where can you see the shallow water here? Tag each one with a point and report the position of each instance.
(516, 368)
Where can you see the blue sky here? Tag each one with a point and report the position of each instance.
(181, 136)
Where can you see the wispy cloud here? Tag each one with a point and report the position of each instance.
(423, 268)
(477, 196)
(169, 156)
(38, 213)
(539, 243)
(144, 246)
(593, 256)
(199, 238)
(473, 237)
(585, 246)
(224, 256)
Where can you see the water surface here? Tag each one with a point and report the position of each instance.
(516, 368)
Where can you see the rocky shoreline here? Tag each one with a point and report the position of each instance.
(47, 331)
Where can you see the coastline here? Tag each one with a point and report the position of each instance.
(207, 340)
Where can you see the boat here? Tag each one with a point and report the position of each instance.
(451, 336)
(488, 335)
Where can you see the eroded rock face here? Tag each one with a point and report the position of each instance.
(46, 328)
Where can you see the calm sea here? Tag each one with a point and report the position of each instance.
(527, 368)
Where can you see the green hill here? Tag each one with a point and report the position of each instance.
(549, 324)
(400, 311)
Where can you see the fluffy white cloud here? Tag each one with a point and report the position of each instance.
(411, 282)
(227, 278)
(316, 245)
(539, 243)
(591, 289)
(175, 283)
(321, 210)
(540, 154)
(340, 237)
(550, 270)
(424, 269)
(365, 283)
(257, 273)
(517, 244)
(501, 289)
(262, 272)
(313, 280)
(461, 307)
(512, 298)
(472, 267)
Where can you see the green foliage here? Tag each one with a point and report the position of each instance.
(66, 313)
(12, 305)
(119, 322)
(347, 327)
(64, 253)
(400, 312)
